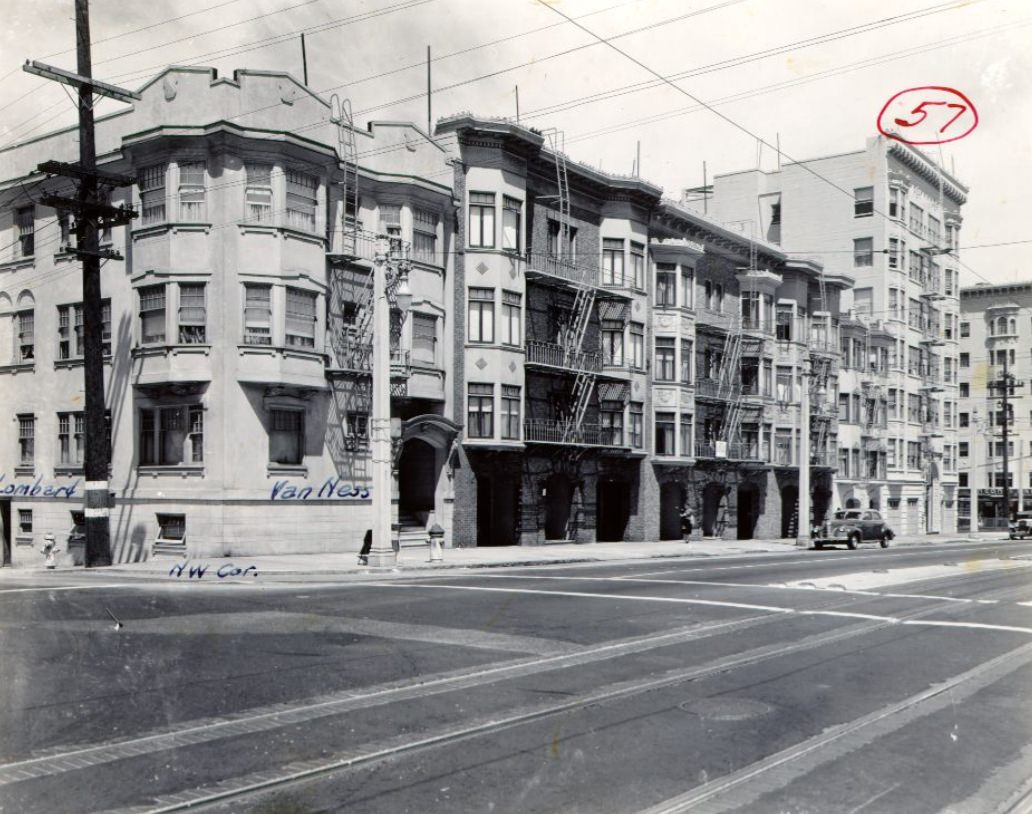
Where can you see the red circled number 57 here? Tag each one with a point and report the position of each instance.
(924, 114)
(931, 114)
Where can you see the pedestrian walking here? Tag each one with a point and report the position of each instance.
(367, 544)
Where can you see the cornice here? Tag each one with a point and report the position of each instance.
(917, 162)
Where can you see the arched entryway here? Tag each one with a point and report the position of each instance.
(417, 482)
(614, 510)
(852, 503)
(558, 507)
(748, 510)
(714, 510)
(671, 501)
(789, 510)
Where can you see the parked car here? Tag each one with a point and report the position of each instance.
(1021, 526)
(854, 526)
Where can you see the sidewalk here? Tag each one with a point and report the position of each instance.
(416, 559)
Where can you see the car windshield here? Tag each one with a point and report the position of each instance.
(851, 514)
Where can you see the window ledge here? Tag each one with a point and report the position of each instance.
(165, 350)
(175, 470)
(64, 364)
(286, 469)
(20, 263)
(68, 469)
(24, 471)
(22, 540)
(281, 350)
(21, 367)
(152, 229)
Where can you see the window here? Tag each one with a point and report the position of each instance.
(666, 284)
(963, 419)
(638, 265)
(390, 220)
(152, 194)
(863, 202)
(687, 287)
(637, 414)
(512, 209)
(24, 322)
(191, 191)
(637, 346)
(913, 455)
(893, 253)
(25, 521)
(287, 437)
(481, 315)
(26, 440)
(71, 435)
(424, 236)
(965, 360)
(962, 482)
(481, 411)
(611, 420)
(916, 219)
(612, 261)
(686, 435)
(510, 412)
(171, 436)
(784, 385)
(172, 528)
(612, 342)
(511, 305)
(665, 434)
(257, 314)
(66, 224)
(301, 200)
(152, 315)
(481, 220)
(192, 314)
(897, 203)
(300, 323)
(424, 338)
(686, 361)
(783, 322)
(863, 252)
(965, 390)
(25, 226)
(664, 367)
(70, 337)
(258, 192)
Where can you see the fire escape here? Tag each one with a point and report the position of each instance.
(351, 254)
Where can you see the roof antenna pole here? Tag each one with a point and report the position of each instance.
(428, 115)
(517, 104)
(304, 58)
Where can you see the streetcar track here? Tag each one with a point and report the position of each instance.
(292, 774)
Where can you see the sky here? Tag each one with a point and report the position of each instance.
(811, 75)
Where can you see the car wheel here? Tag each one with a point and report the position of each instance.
(853, 542)
(818, 545)
(884, 541)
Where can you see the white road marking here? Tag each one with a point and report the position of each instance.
(710, 603)
(866, 580)
(65, 588)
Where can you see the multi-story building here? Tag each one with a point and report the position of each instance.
(581, 358)
(888, 216)
(996, 333)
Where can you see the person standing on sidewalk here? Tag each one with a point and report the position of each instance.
(687, 523)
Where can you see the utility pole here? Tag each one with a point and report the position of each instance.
(1007, 392)
(803, 538)
(89, 215)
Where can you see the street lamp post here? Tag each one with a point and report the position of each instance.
(382, 553)
(803, 523)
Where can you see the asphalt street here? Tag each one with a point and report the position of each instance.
(820, 681)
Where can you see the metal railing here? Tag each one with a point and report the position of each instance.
(562, 267)
(736, 451)
(713, 319)
(716, 389)
(550, 431)
(555, 355)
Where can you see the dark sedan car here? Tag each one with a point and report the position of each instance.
(854, 526)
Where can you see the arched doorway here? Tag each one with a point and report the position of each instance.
(714, 508)
(614, 510)
(748, 510)
(417, 482)
(789, 510)
(852, 503)
(558, 504)
(671, 501)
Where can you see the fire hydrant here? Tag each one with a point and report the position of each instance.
(436, 540)
(49, 550)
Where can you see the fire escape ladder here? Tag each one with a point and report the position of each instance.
(729, 381)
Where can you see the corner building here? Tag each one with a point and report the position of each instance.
(889, 217)
(996, 332)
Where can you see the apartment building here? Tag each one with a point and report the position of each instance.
(236, 327)
(888, 216)
(996, 332)
(581, 358)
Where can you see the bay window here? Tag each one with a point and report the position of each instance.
(480, 419)
(191, 191)
(257, 314)
(258, 192)
(300, 318)
(481, 220)
(510, 412)
(511, 306)
(512, 209)
(301, 200)
(152, 194)
(152, 315)
(192, 314)
(612, 261)
(481, 315)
